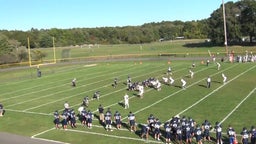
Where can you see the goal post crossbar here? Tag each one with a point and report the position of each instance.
(40, 64)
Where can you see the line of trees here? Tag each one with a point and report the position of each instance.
(240, 21)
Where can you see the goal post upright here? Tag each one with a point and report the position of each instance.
(54, 53)
(29, 54)
(40, 64)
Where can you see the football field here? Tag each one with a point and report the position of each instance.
(30, 101)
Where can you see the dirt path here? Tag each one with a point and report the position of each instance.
(7, 138)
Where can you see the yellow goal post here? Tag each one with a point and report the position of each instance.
(53, 61)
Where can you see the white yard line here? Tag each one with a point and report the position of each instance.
(215, 90)
(73, 95)
(151, 88)
(52, 94)
(28, 112)
(136, 139)
(120, 89)
(149, 106)
(237, 106)
(134, 95)
(53, 87)
(40, 85)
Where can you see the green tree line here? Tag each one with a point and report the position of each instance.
(240, 22)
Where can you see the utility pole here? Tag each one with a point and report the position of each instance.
(225, 27)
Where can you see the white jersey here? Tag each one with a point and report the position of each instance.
(141, 90)
(218, 65)
(183, 82)
(66, 105)
(126, 98)
(80, 109)
(165, 79)
(208, 79)
(191, 73)
(224, 78)
(158, 85)
(171, 80)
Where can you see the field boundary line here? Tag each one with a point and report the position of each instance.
(34, 137)
(48, 140)
(94, 133)
(215, 90)
(114, 136)
(238, 106)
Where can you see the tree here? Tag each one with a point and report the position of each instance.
(38, 55)
(45, 40)
(5, 47)
(22, 54)
(216, 24)
(248, 18)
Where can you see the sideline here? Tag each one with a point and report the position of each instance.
(115, 136)
(48, 140)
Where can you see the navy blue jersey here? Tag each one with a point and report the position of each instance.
(218, 128)
(144, 129)
(108, 119)
(131, 118)
(109, 113)
(168, 132)
(206, 126)
(101, 109)
(245, 135)
(151, 119)
(56, 115)
(198, 131)
(198, 134)
(231, 132)
(117, 117)
(253, 133)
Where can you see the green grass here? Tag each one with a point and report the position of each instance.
(30, 101)
(176, 48)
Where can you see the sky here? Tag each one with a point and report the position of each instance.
(64, 14)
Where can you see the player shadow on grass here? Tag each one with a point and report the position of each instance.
(136, 95)
(125, 125)
(151, 133)
(177, 86)
(100, 122)
(121, 104)
(216, 82)
(201, 85)
(225, 139)
(138, 131)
